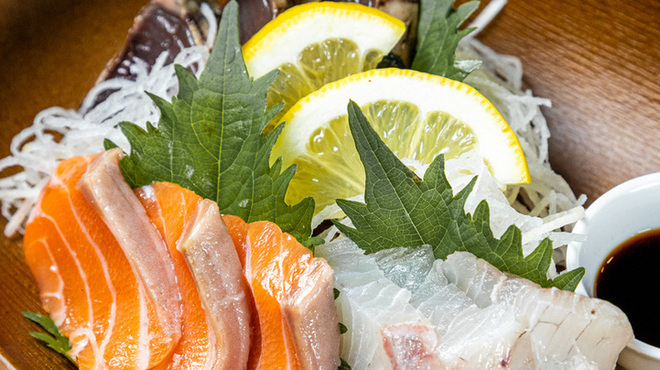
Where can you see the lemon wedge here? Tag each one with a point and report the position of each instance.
(317, 43)
(418, 115)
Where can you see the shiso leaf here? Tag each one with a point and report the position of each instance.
(54, 339)
(438, 37)
(402, 210)
(209, 139)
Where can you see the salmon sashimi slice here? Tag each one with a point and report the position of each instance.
(213, 261)
(85, 281)
(169, 208)
(294, 298)
(238, 231)
(104, 187)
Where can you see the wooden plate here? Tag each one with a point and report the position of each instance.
(597, 60)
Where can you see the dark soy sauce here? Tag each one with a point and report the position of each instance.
(630, 278)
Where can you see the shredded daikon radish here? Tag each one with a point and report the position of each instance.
(500, 80)
(486, 16)
(59, 133)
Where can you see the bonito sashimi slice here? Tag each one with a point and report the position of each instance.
(85, 281)
(469, 336)
(562, 329)
(384, 330)
(213, 261)
(105, 188)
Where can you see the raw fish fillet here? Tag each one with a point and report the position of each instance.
(104, 187)
(293, 295)
(406, 267)
(214, 264)
(171, 207)
(469, 336)
(561, 329)
(85, 281)
(384, 330)
(481, 317)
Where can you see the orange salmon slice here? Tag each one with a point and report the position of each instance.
(172, 209)
(293, 295)
(169, 208)
(86, 282)
(274, 263)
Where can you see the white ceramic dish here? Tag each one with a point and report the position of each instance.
(622, 212)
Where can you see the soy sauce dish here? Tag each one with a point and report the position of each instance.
(622, 228)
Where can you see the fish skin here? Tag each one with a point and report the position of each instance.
(561, 329)
(216, 268)
(104, 187)
(84, 279)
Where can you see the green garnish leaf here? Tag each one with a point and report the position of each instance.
(344, 365)
(416, 212)
(209, 139)
(342, 328)
(438, 37)
(54, 339)
(313, 242)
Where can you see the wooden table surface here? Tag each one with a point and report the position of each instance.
(596, 59)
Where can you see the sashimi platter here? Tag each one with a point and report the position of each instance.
(303, 185)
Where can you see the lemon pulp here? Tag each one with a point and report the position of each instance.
(317, 65)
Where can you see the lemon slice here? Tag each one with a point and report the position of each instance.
(317, 43)
(418, 115)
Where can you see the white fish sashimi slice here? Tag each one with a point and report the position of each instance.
(470, 336)
(406, 267)
(562, 329)
(384, 330)
(480, 338)
(474, 276)
(439, 300)
(565, 327)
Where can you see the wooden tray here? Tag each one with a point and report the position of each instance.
(597, 60)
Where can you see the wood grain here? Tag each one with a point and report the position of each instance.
(598, 62)
(52, 51)
(596, 59)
